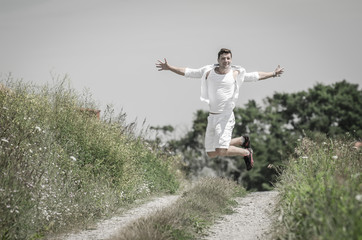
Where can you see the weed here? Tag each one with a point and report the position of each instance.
(319, 191)
(61, 167)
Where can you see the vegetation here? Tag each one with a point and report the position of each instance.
(274, 129)
(61, 167)
(189, 216)
(320, 191)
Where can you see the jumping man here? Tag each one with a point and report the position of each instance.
(220, 85)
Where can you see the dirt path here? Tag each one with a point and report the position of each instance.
(105, 229)
(251, 220)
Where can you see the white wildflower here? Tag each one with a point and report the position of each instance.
(335, 157)
(355, 175)
(359, 197)
(31, 151)
(73, 158)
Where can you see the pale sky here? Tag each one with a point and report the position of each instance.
(110, 47)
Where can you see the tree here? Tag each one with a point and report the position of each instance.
(333, 109)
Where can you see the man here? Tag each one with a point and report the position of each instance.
(220, 89)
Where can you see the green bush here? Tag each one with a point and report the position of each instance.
(61, 167)
(320, 191)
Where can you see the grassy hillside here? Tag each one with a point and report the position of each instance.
(321, 191)
(61, 166)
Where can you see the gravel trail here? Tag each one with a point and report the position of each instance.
(250, 221)
(106, 228)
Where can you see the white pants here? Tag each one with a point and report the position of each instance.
(219, 131)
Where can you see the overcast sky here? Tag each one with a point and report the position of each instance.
(110, 47)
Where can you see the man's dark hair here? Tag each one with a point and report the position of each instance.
(222, 51)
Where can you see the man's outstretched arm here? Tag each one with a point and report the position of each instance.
(162, 66)
(265, 75)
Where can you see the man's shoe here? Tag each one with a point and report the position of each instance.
(246, 143)
(249, 161)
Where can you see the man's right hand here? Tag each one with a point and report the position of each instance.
(162, 65)
(165, 66)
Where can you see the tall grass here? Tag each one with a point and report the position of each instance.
(321, 191)
(60, 167)
(189, 216)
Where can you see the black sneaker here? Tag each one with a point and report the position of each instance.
(246, 143)
(249, 161)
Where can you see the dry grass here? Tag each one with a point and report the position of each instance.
(189, 216)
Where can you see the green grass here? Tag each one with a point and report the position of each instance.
(189, 216)
(321, 191)
(62, 168)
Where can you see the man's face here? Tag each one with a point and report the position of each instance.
(225, 60)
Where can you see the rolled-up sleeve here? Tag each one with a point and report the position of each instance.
(195, 73)
(251, 77)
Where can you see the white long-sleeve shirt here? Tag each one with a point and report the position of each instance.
(243, 76)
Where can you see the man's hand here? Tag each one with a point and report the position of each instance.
(278, 71)
(162, 65)
(165, 66)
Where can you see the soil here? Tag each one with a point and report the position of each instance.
(107, 228)
(251, 219)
